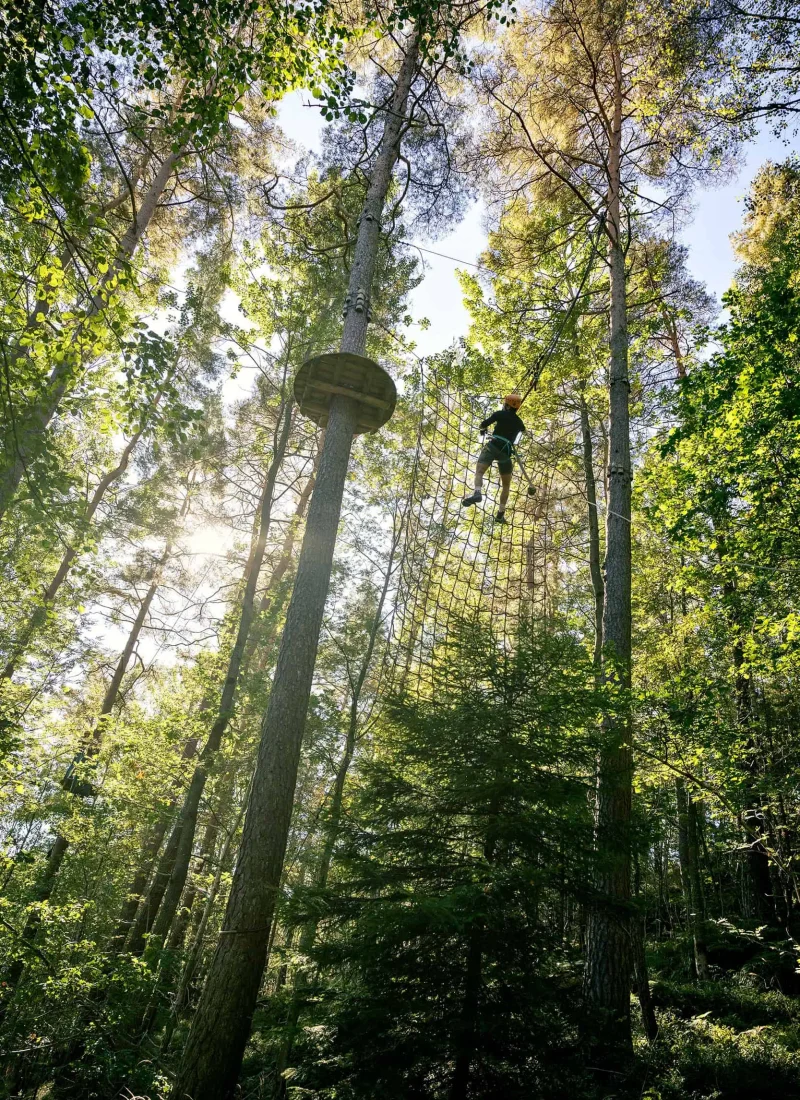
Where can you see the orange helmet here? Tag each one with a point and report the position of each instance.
(513, 399)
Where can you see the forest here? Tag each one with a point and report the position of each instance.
(328, 772)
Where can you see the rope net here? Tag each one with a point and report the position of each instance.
(457, 566)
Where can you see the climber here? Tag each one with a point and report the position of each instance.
(499, 448)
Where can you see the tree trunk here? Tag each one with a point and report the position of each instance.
(219, 1032)
(193, 955)
(608, 955)
(165, 963)
(287, 550)
(758, 881)
(31, 428)
(73, 781)
(672, 333)
(335, 812)
(133, 897)
(221, 1024)
(756, 833)
(690, 879)
(595, 571)
(180, 925)
(649, 1021)
(465, 1037)
(466, 1031)
(158, 910)
(640, 975)
(147, 858)
(698, 890)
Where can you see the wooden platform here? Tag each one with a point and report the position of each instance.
(343, 374)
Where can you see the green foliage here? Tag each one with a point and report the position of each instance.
(464, 827)
(436, 887)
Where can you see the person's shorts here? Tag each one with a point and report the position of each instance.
(496, 452)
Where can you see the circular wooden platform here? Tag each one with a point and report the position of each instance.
(343, 374)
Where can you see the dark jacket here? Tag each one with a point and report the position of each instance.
(508, 425)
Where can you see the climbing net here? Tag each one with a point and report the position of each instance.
(458, 565)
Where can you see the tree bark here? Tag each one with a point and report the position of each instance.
(466, 1031)
(287, 550)
(190, 966)
(180, 925)
(335, 812)
(758, 880)
(698, 889)
(465, 1037)
(215, 1046)
(649, 1021)
(608, 955)
(221, 1025)
(756, 833)
(133, 897)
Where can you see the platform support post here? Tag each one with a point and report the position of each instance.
(242, 948)
(221, 1025)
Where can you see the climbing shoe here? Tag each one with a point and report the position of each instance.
(474, 498)
(500, 517)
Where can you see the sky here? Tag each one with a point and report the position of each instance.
(718, 212)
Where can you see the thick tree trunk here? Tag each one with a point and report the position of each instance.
(335, 813)
(31, 427)
(222, 1022)
(608, 955)
(158, 910)
(216, 1042)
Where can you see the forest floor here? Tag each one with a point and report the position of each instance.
(733, 1038)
